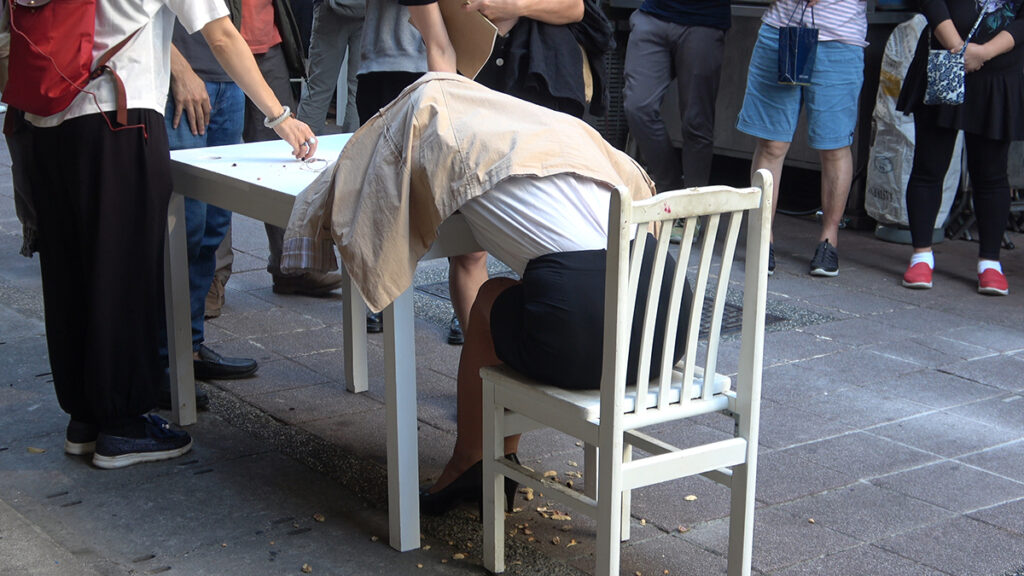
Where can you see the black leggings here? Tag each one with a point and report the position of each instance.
(986, 164)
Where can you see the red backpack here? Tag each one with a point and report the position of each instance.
(51, 55)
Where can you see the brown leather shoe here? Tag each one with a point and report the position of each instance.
(308, 284)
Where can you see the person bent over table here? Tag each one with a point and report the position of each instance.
(534, 187)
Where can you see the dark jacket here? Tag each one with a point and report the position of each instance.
(542, 63)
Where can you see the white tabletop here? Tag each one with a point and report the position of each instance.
(267, 164)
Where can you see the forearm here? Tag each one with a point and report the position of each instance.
(1000, 44)
(947, 35)
(552, 11)
(234, 56)
(440, 52)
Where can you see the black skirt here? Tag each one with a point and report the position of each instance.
(550, 327)
(993, 99)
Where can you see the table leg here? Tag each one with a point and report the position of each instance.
(354, 330)
(179, 315)
(400, 403)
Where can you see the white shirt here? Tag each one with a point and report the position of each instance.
(144, 64)
(523, 218)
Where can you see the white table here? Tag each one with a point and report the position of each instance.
(261, 180)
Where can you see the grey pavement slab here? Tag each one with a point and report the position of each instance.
(892, 418)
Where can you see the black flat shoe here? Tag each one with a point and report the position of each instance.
(468, 487)
(213, 366)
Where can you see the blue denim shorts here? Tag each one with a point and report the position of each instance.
(771, 110)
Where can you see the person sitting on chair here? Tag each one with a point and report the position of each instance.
(534, 187)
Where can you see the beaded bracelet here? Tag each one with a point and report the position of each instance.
(273, 123)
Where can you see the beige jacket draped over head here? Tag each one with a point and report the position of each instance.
(442, 142)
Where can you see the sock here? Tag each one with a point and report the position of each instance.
(986, 264)
(926, 257)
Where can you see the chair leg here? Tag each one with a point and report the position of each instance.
(609, 513)
(627, 456)
(494, 483)
(741, 519)
(590, 470)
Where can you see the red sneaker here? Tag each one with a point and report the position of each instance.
(993, 282)
(918, 276)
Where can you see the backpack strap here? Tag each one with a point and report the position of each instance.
(101, 67)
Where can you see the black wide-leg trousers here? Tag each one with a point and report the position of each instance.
(101, 198)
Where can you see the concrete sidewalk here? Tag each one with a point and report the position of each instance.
(892, 439)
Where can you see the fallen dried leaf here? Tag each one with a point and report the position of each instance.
(531, 539)
(419, 565)
(643, 522)
(570, 544)
(579, 443)
(306, 568)
(458, 556)
(223, 544)
(426, 547)
(682, 529)
(551, 474)
(664, 572)
(34, 450)
(573, 464)
(568, 483)
(319, 517)
(527, 494)
(560, 517)
(374, 538)
(690, 498)
(527, 531)
(810, 520)
(556, 540)
(444, 560)
(565, 527)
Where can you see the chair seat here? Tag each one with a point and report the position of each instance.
(586, 404)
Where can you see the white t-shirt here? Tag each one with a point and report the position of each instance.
(144, 64)
(522, 218)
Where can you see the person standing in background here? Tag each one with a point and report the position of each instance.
(204, 108)
(337, 31)
(270, 30)
(682, 40)
(991, 116)
(770, 110)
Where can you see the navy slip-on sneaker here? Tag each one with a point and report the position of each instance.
(161, 442)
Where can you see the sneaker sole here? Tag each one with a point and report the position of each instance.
(79, 448)
(823, 272)
(124, 460)
(918, 285)
(993, 291)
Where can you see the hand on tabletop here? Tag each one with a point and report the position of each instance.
(299, 136)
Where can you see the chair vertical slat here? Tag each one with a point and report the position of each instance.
(735, 220)
(697, 306)
(683, 261)
(653, 290)
(672, 324)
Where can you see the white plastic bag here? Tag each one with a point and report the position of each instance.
(892, 150)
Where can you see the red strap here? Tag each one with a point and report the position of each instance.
(101, 67)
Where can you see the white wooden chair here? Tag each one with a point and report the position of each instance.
(610, 418)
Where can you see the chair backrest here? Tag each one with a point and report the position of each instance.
(701, 209)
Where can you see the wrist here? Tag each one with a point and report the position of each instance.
(269, 122)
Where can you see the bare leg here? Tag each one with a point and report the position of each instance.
(836, 178)
(477, 352)
(466, 274)
(770, 154)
